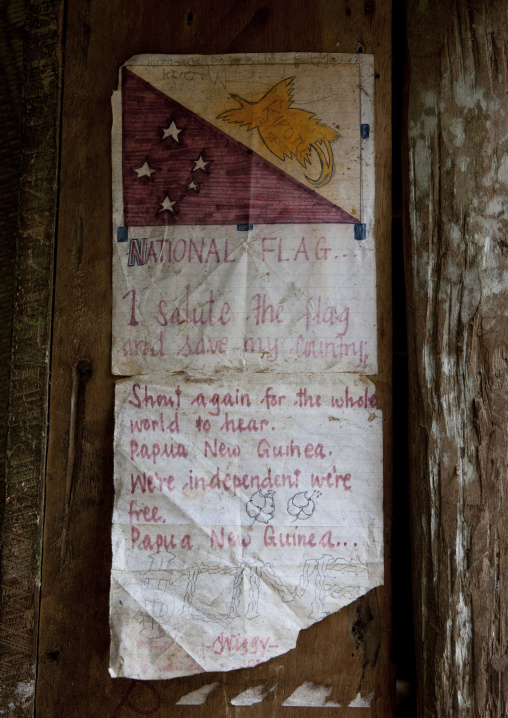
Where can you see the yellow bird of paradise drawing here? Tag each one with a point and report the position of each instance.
(286, 131)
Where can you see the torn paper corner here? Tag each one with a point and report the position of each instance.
(245, 510)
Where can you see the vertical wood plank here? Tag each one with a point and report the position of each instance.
(457, 267)
(348, 651)
(26, 444)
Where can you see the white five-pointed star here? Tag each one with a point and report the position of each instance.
(167, 205)
(171, 131)
(192, 185)
(199, 164)
(144, 170)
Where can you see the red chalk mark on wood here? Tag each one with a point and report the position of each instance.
(126, 702)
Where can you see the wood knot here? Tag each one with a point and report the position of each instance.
(84, 368)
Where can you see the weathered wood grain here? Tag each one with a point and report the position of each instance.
(457, 266)
(11, 70)
(348, 651)
(26, 445)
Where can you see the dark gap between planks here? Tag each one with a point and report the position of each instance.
(403, 646)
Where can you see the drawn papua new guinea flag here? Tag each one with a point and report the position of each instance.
(178, 168)
(243, 213)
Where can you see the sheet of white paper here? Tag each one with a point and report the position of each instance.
(245, 510)
(229, 252)
(248, 490)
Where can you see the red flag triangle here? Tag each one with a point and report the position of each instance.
(179, 169)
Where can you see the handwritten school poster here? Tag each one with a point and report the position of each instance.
(248, 443)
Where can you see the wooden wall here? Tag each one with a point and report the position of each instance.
(457, 274)
(348, 651)
(31, 347)
(456, 177)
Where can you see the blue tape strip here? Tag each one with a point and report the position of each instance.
(122, 234)
(360, 231)
(365, 131)
(244, 227)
